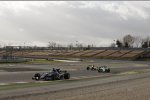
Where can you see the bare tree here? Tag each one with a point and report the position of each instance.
(128, 40)
(147, 39)
(52, 45)
(59, 46)
(112, 45)
(70, 46)
(137, 41)
(79, 45)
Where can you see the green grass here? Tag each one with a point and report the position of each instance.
(37, 84)
(35, 61)
(135, 72)
(41, 61)
(34, 84)
(19, 69)
(27, 85)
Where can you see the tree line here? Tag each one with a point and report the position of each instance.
(129, 41)
(71, 46)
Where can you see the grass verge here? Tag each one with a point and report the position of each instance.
(40, 83)
(134, 72)
(41, 61)
(27, 85)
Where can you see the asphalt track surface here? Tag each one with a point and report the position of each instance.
(37, 91)
(27, 76)
(76, 70)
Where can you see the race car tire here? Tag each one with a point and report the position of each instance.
(92, 68)
(108, 70)
(61, 77)
(100, 70)
(37, 76)
(66, 76)
(88, 68)
(95, 69)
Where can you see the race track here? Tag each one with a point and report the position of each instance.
(76, 69)
(121, 71)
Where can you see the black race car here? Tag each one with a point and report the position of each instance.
(91, 67)
(55, 74)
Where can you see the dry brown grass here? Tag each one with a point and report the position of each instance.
(82, 53)
(120, 54)
(106, 53)
(93, 53)
(133, 53)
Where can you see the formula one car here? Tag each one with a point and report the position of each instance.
(91, 67)
(55, 74)
(104, 69)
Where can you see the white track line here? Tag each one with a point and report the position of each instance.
(4, 84)
(22, 82)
